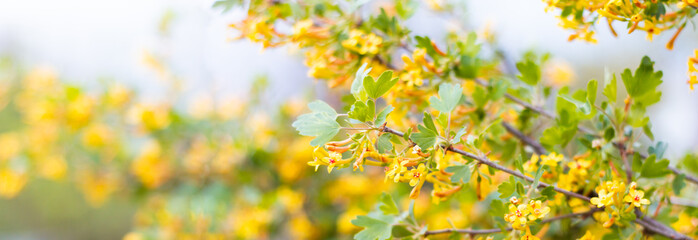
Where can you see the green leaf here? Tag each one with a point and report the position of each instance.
(468, 67)
(320, 123)
(429, 122)
(480, 96)
(383, 115)
(592, 87)
(548, 192)
(376, 89)
(407, 134)
(654, 169)
(363, 112)
(459, 135)
(642, 86)
(449, 97)
(678, 183)
(400, 231)
(583, 107)
(609, 134)
(425, 138)
(506, 189)
(658, 149)
(530, 72)
(461, 173)
(539, 173)
(611, 90)
(387, 205)
(520, 189)
(383, 144)
(357, 86)
(373, 228)
(497, 208)
(425, 42)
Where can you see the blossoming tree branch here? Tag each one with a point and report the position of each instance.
(457, 115)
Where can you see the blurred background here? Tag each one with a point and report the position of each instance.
(87, 41)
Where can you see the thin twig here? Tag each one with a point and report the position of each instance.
(496, 230)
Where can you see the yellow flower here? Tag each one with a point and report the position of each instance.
(150, 167)
(532, 164)
(79, 111)
(11, 182)
(551, 159)
(559, 73)
(417, 174)
(362, 43)
(514, 200)
(528, 236)
(97, 135)
(53, 167)
(634, 197)
(604, 199)
(150, 117)
(692, 81)
(332, 160)
(395, 169)
(98, 187)
(587, 236)
(11, 146)
(517, 216)
(537, 210)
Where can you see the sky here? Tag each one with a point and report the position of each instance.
(87, 40)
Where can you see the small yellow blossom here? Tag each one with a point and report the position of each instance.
(528, 236)
(551, 159)
(537, 210)
(396, 168)
(362, 43)
(635, 197)
(11, 182)
(604, 199)
(517, 216)
(417, 174)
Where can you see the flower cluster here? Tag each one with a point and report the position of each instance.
(521, 215)
(613, 196)
(652, 17)
(692, 71)
(362, 43)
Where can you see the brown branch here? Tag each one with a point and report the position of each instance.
(496, 230)
(537, 148)
(486, 161)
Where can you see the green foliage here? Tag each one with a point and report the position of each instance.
(383, 115)
(363, 112)
(373, 228)
(506, 189)
(530, 71)
(380, 86)
(642, 86)
(652, 168)
(461, 173)
(379, 223)
(449, 97)
(320, 123)
(611, 89)
(383, 144)
(357, 85)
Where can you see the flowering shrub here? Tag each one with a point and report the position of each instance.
(420, 138)
(454, 119)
